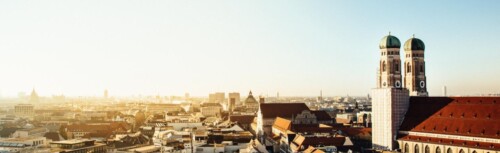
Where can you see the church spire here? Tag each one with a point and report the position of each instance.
(34, 96)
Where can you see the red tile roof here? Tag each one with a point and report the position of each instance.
(312, 128)
(284, 110)
(453, 142)
(357, 132)
(465, 116)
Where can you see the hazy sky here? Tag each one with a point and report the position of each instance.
(294, 47)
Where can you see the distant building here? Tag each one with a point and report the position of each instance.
(243, 121)
(211, 109)
(231, 105)
(269, 111)
(217, 97)
(24, 110)
(187, 97)
(34, 97)
(106, 94)
(77, 145)
(31, 141)
(251, 104)
(235, 96)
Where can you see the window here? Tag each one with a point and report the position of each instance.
(449, 150)
(407, 148)
(438, 150)
(383, 66)
(408, 68)
(396, 67)
(427, 149)
(462, 151)
(416, 149)
(421, 68)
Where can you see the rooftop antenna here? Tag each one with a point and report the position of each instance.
(413, 35)
(389, 33)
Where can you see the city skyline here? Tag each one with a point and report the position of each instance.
(296, 48)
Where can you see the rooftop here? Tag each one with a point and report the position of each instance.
(463, 116)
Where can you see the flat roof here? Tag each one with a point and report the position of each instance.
(72, 141)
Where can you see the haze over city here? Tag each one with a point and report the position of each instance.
(297, 48)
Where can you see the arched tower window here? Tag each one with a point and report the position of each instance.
(408, 68)
(449, 150)
(383, 66)
(422, 68)
(427, 149)
(407, 148)
(474, 151)
(462, 151)
(396, 66)
(416, 149)
(438, 150)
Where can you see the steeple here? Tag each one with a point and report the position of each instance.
(389, 74)
(34, 97)
(414, 67)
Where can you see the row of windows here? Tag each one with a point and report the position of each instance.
(390, 53)
(396, 65)
(408, 68)
(36, 143)
(397, 53)
(415, 55)
(428, 150)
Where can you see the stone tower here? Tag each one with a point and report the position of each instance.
(389, 100)
(389, 74)
(415, 80)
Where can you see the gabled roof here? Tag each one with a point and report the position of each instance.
(54, 136)
(322, 115)
(242, 119)
(7, 132)
(360, 133)
(282, 124)
(464, 116)
(284, 110)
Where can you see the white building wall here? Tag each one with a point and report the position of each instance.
(389, 106)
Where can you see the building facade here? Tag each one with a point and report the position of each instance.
(415, 80)
(405, 118)
(390, 99)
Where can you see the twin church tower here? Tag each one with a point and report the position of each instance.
(391, 98)
(389, 75)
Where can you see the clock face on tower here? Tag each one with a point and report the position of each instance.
(397, 84)
(422, 84)
(384, 84)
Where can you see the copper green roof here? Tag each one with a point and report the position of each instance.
(389, 41)
(414, 44)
